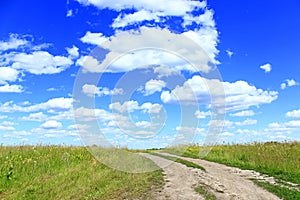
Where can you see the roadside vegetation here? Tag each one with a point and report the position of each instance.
(279, 160)
(57, 172)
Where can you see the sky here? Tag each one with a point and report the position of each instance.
(145, 74)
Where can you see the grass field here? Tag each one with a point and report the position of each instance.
(56, 172)
(280, 160)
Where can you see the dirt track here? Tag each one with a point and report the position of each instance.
(224, 182)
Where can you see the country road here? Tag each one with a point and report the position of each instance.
(226, 183)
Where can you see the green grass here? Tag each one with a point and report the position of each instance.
(179, 160)
(205, 193)
(281, 192)
(56, 172)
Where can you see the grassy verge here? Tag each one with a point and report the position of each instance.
(184, 162)
(55, 172)
(205, 193)
(281, 192)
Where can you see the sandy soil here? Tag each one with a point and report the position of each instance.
(224, 182)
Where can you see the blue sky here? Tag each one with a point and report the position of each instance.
(123, 74)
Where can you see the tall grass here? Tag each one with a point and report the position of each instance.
(56, 172)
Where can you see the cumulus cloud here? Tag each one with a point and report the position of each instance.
(11, 88)
(52, 105)
(89, 114)
(291, 82)
(6, 128)
(94, 38)
(283, 86)
(247, 122)
(186, 45)
(73, 52)
(288, 83)
(131, 106)
(51, 124)
(153, 86)
(139, 16)
(201, 114)
(14, 42)
(8, 74)
(91, 90)
(173, 8)
(294, 114)
(239, 95)
(229, 53)
(267, 68)
(69, 13)
(143, 124)
(244, 113)
(35, 117)
(285, 127)
(40, 62)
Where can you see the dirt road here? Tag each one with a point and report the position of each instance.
(226, 183)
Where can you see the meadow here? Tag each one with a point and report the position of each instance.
(64, 172)
(58, 172)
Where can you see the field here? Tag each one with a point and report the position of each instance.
(57, 172)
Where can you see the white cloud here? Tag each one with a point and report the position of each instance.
(6, 128)
(14, 42)
(8, 74)
(207, 39)
(73, 52)
(153, 86)
(266, 67)
(288, 83)
(294, 113)
(173, 8)
(143, 124)
(78, 126)
(283, 86)
(91, 90)
(35, 117)
(120, 59)
(139, 16)
(229, 53)
(244, 113)
(205, 19)
(291, 82)
(3, 116)
(8, 123)
(94, 38)
(131, 106)
(41, 62)
(247, 122)
(51, 124)
(221, 123)
(69, 13)
(284, 128)
(239, 95)
(202, 114)
(164, 71)
(11, 88)
(293, 124)
(243, 131)
(52, 105)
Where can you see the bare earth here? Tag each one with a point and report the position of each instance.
(224, 182)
